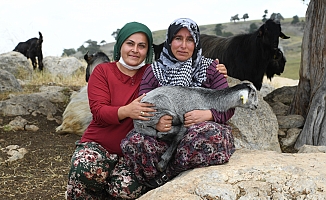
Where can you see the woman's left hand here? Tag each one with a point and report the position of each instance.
(222, 69)
(197, 116)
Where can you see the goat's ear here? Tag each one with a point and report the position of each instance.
(244, 99)
(261, 30)
(283, 36)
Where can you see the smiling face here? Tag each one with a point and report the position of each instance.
(183, 45)
(134, 49)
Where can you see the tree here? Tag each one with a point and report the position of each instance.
(115, 33)
(218, 29)
(92, 46)
(68, 52)
(253, 27)
(309, 99)
(82, 49)
(235, 17)
(245, 16)
(264, 16)
(295, 20)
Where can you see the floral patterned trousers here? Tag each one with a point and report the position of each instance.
(97, 174)
(205, 144)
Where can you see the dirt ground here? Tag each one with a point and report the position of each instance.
(43, 172)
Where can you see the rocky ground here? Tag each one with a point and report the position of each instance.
(42, 173)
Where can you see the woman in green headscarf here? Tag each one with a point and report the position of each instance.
(97, 167)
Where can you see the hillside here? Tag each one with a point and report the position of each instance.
(291, 46)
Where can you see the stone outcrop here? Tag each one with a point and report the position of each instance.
(17, 64)
(251, 174)
(64, 66)
(8, 82)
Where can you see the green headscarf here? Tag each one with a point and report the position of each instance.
(129, 29)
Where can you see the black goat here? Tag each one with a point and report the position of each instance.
(276, 65)
(247, 56)
(32, 48)
(157, 50)
(93, 60)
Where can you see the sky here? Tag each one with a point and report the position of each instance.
(67, 24)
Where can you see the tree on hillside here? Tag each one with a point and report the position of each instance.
(310, 97)
(218, 29)
(68, 52)
(235, 17)
(91, 47)
(245, 16)
(295, 20)
(264, 16)
(115, 33)
(253, 27)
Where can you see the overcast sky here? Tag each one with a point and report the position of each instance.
(69, 23)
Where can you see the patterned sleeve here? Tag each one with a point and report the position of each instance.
(216, 80)
(148, 82)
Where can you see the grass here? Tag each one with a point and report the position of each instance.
(40, 78)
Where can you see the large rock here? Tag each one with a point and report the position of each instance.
(17, 64)
(258, 128)
(251, 174)
(64, 66)
(31, 104)
(8, 82)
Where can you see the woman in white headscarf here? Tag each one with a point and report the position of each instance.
(209, 140)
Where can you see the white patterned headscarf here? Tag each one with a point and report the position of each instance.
(170, 71)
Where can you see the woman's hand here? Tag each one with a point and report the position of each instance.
(136, 110)
(222, 69)
(197, 116)
(164, 124)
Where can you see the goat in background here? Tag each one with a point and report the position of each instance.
(32, 48)
(93, 60)
(247, 56)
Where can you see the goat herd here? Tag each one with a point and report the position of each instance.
(246, 56)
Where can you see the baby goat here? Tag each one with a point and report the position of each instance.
(176, 101)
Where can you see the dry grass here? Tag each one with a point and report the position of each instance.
(40, 78)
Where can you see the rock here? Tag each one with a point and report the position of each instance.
(258, 128)
(64, 66)
(312, 149)
(18, 123)
(17, 64)
(251, 174)
(290, 121)
(291, 137)
(284, 94)
(27, 104)
(8, 82)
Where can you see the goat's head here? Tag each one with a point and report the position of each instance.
(270, 32)
(248, 96)
(276, 65)
(93, 60)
